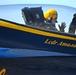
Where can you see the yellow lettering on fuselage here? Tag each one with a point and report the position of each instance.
(2, 72)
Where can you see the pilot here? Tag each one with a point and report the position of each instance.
(72, 27)
(51, 16)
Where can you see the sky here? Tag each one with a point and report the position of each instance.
(60, 2)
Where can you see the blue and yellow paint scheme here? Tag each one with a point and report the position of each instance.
(15, 35)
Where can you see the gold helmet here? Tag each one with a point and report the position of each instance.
(53, 13)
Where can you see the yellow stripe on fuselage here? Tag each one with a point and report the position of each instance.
(35, 31)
